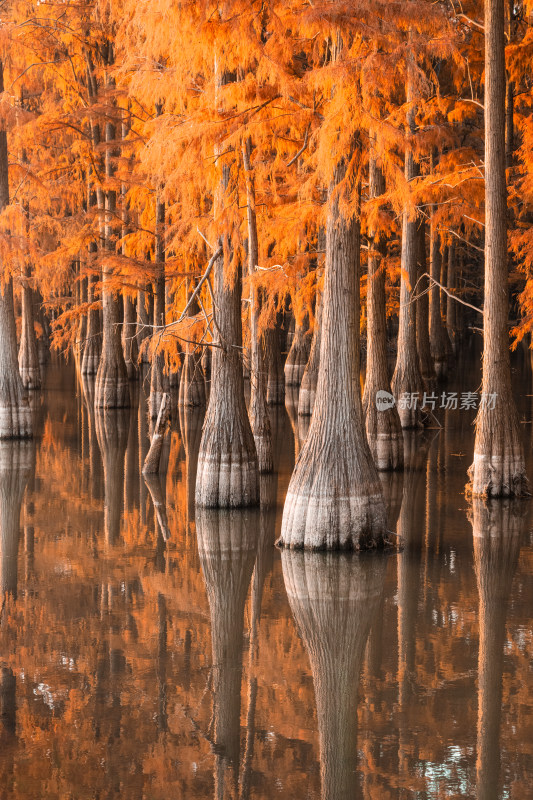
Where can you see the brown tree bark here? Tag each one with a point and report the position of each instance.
(15, 412)
(275, 388)
(427, 368)
(437, 331)
(407, 379)
(192, 390)
(498, 469)
(112, 388)
(451, 304)
(383, 426)
(334, 499)
(334, 600)
(298, 355)
(257, 409)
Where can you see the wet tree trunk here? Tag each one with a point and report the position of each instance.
(257, 411)
(407, 379)
(275, 388)
(497, 529)
(427, 368)
(334, 499)
(383, 427)
(15, 412)
(112, 389)
(498, 469)
(334, 600)
(306, 398)
(437, 331)
(28, 356)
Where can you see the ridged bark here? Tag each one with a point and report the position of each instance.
(334, 499)
(306, 398)
(129, 338)
(192, 391)
(383, 426)
(28, 358)
(334, 600)
(498, 469)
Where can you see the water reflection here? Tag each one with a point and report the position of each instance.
(227, 543)
(112, 433)
(497, 529)
(16, 460)
(334, 599)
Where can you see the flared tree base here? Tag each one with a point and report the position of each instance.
(498, 468)
(112, 386)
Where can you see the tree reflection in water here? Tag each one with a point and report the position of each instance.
(334, 598)
(497, 528)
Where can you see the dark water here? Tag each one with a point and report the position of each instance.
(148, 652)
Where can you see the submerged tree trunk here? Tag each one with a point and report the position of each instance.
(298, 354)
(497, 529)
(427, 368)
(257, 411)
(334, 499)
(383, 427)
(334, 600)
(112, 389)
(275, 388)
(498, 469)
(15, 412)
(306, 398)
(407, 381)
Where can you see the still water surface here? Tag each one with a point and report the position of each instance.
(148, 651)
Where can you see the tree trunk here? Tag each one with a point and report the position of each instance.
(407, 380)
(112, 389)
(334, 499)
(497, 529)
(257, 410)
(153, 459)
(306, 398)
(275, 388)
(129, 338)
(451, 304)
(383, 426)
(498, 469)
(422, 316)
(298, 355)
(28, 357)
(93, 343)
(437, 331)
(143, 322)
(334, 600)
(15, 412)
(192, 391)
